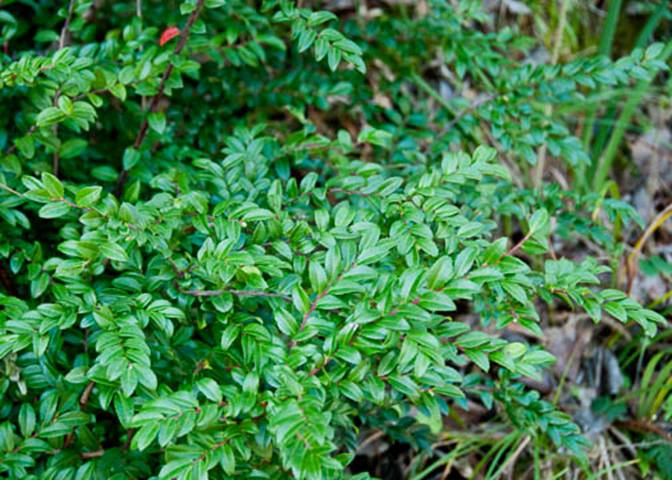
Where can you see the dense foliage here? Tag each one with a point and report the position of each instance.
(228, 249)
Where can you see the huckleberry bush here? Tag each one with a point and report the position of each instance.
(226, 251)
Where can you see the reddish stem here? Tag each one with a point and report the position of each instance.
(144, 126)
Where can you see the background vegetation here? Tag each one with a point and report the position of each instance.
(419, 239)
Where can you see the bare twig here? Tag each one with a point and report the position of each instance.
(511, 460)
(12, 147)
(348, 192)
(633, 264)
(129, 438)
(538, 173)
(311, 310)
(313, 305)
(61, 44)
(645, 427)
(369, 440)
(96, 454)
(84, 399)
(144, 126)
(66, 24)
(473, 106)
(238, 293)
(56, 161)
(317, 369)
(517, 246)
(9, 189)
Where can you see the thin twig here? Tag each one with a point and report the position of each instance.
(84, 399)
(317, 369)
(238, 293)
(9, 189)
(348, 192)
(538, 173)
(645, 427)
(64, 30)
(369, 440)
(313, 305)
(57, 157)
(473, 106)
(311, 310)
(511, 460)
(96, 454)
(56, 161)
(632, 263)
(516, 247)
(144, 126)
(129, 438)
(12, 147)
(61, 44)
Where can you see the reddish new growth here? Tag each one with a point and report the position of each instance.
(168, 34)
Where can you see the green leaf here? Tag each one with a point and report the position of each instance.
(318, 18)
(52, 185)
(373, 254)
(306, 39)
(215, 4)
(484, 154)
(616, 310)
(145, 436)
(539, 221)
(229, 335)
(157, 121)
(227, 459)
(470, 229)
(375, 136)
(39, 285)
(129, 380)
(473, 339)
(464, 261)
(515, 290)
(113, 251)
(87, 196)
(49, 116)
(210, 388)
(404, 385)
(119, 90)
(440, 273)
(73, 148)
(27, 419)
(437, 301)
(351, 390)
(175, 468)
(286, 322)
(131, 158)
(539, 357)
(123, 407)
(258, 214)
(54, 210)
(318, 277)
(333, 58)
(25, 145)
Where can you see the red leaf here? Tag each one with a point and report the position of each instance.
(168, 33)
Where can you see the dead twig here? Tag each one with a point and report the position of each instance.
(632, 263)
(84, 399)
